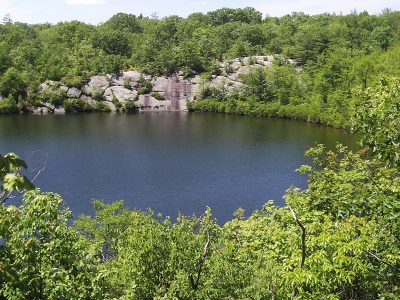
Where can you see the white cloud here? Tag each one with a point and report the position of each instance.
(84, 2)
(204, 3)
(281, 7)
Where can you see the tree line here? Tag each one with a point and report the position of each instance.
(333, 56)
(339, 238)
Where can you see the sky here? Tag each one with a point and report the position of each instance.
(97, 11)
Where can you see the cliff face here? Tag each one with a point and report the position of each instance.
(176, 91)
(149, 93)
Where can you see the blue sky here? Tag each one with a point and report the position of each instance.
(96, 11)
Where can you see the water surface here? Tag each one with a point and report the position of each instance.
(169, 162)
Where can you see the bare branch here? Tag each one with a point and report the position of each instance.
(40, 170)
(303, 237)
(200, 264)
(381, 261)
(4, 196)
(303, 245)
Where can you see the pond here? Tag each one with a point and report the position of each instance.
(169, 162)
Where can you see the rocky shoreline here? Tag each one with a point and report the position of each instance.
(131, 90)
(165, 93)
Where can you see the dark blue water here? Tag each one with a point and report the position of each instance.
(169, 162)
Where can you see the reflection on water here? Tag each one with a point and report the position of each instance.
(170, 162)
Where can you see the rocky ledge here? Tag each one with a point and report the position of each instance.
(143, 92)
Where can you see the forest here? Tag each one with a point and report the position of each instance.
(338, 238)
(333, 58)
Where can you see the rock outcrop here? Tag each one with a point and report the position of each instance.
(130, 78)
(120, 94)
(97, 84)
(73, 93)
(165, 93)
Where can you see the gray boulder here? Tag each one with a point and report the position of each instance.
(120, 93)
(130, 77)
(88, 99)
(50, 86)
(46, 85)
(97, 84)
(73, 93)
(161, 84)
(59, 111)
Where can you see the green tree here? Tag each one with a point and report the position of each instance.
(13, 84)
(41, 256)
(124, 22)
(228, 15)
(112, 42)
(11, 178)
(377, 120)
(382, 37)
(7, 20)
(5, 60)
(257, 85)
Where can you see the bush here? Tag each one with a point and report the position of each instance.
(13, 83)
(127, 84)
(144, 86)
(73, 80)
(98, 95)
(57, 99)
(252, 61)
(117, 104)
(77, 105)
(102, 107)
(130, 106)
(207, 105)
(215, 69)
(212, 92)
(188, 72)
(158, 96)
(54, 95)
(8, 106)
(305, 112)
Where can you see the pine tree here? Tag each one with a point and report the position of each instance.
(7, 19)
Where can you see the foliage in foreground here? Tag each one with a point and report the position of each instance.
(337, 239)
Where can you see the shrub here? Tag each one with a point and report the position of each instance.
(13, 83)
(144, 86)
(73, 80)
(8, 106)
(57, 99)
(116, 103)
(98, 95)
(54, 96)
(148, 86)
(212, 92)
(188, 72)
(215, 69)
(158, 96)
(208, 76)
(101, 107)
(127, 84)
(130, 106)
(252, 61)
(77, 105)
